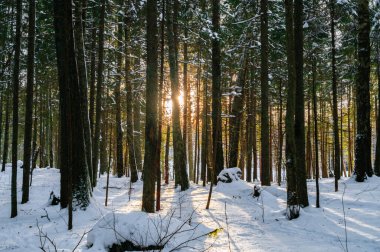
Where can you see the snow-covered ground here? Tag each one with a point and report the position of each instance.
(253, 224)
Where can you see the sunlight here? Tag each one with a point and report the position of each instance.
(169, 104)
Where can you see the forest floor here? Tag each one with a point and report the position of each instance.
(254, 224)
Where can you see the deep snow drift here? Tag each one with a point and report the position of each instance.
(254, 224)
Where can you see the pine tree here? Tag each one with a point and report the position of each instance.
(363, 165)
(29, 101)
(151, 107)
(16, 86)
(217, 144)
(265, 161)
(99, 91)
(181, 176)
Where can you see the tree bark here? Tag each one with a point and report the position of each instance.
(119, 130)
(377, 157)
(265, 162)
(99, 91)
(130, 100)
(217, 143)
(299, 125)
(363, 165)
(16, 85)
(29, 101)
(150, 164)
(292, 193)
(237, 112)
(335, 99)
(181, 176)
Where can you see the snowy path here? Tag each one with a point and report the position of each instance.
(316, 230)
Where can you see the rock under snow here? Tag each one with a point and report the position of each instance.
(229, 175)
(141, 230)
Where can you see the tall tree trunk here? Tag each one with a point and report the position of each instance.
(250, 126)
(254, 136)
(280, 139)
(377, 157)
(99, 91)
(292, 193)
(167, 147)
(6, 128)
(82, 74)
(2, 97)
(204, 148)
(363, 165)
(130, 100)
(237, 112)
(29, 101)
(186, 90)
(315, 116)
(178, 144)
(349, 149)
(265, 142)
(119, 130)
(74, 182)
(299, 125)
(160, 107)
(92, 78)
(16, 84)
(217, 143)
(105, 126)
(308, 144)
(335, 99)
(150, 164)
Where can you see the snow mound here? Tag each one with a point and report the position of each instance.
(229, 175)
(229, 182)
(143, 230)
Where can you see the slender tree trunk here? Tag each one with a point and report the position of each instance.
(160, 107)
(130, 100)
(335, 99)
(119, 130)
(237, 112)
(363, 165)
(299, 125)
(280, 140)
(92, 79)
(181, 176)
(292, 194)
(217, 143)
(167, 147)
(99, 91)
(79, 13)
(349, 133)
(204, 148)
(254, 136)
(29, 101)
(2, 97)
(217, 149)
(265, 142)
(150, 164)
(6, 129)
(74, 182)
(16, 84)
(308, 144)
(315, 116)
(103, 142)
(250, 127)
(377, 157)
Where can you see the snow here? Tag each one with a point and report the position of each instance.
(144, 230)
(254, 224)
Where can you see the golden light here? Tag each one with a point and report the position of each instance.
(169, 104)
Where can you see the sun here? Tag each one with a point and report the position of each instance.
(168, 106)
